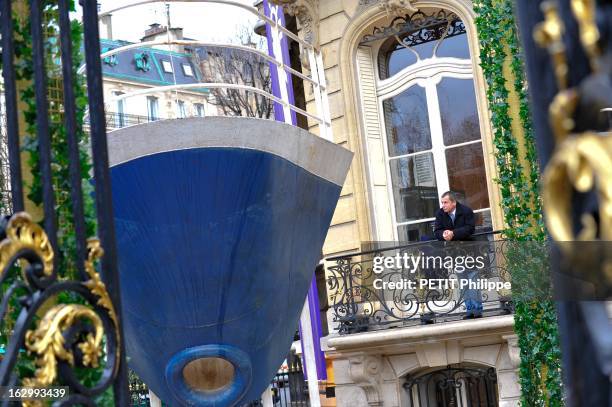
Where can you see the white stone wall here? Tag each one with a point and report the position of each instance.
(370, 368)
(137, 105)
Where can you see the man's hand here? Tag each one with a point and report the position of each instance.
(448, 235)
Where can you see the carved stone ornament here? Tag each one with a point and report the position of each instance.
(397, 7)
(366, 372)
(307, 14)
(514, 352)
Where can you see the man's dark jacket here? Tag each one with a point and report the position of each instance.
(463, 227)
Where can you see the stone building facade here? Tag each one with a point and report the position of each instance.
(408, 97)
(139, 70)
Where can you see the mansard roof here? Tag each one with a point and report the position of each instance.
(144, 65)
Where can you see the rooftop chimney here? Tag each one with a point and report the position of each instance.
(157, 31)
(105, 24)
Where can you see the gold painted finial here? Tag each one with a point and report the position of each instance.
(549, 34)
(584, 11)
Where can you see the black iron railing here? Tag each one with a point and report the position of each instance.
(120, 120)
(289, 388)
(69, 327)
(362, 298)
(116, 120)
(453, 386)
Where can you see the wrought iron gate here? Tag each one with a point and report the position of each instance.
(288, 386)
(568, 45)
(68, 326)
(453, 387)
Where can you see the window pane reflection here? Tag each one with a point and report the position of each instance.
(407, 122)
(448, 35)
(423, 231)
(425, 49)
(415, 233)
(414, 187)
(467, 176)
(454, 47)
(396, 60)
(458, 110)
(483, 222)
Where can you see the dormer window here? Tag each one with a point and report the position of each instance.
(142, 61)
(166, 66)
(110, 60)
(187, 70)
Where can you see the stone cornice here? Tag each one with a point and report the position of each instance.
(502, 325)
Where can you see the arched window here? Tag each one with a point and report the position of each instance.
(421, 37)
(429, 120)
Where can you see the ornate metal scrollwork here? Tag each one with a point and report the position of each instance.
(360, 306)
(584, 10)
(95, 284)
(576, 182)
(549, 34)
(451, 386)
(68, 335)
(419, 27)
(581, 162)
(47, 342)
(25, 240)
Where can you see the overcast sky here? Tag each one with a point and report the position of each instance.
(200, 21)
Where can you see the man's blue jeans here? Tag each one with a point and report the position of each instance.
(471, 296)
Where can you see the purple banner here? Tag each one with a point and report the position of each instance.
(278, 47)
(282, 87)
(317, 329)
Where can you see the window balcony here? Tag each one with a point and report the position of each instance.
(120, 120)
(365, 295)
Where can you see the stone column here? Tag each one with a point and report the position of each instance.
(507, 373)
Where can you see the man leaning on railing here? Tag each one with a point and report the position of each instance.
(455, 222)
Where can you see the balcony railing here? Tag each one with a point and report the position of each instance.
(119, 120)
(359, 303)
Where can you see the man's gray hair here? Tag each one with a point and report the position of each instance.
(451, 195)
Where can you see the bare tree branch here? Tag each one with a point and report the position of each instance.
(238, 67)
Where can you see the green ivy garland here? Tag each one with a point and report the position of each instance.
(66, 250)
(535, 321)
(59, 147)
